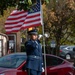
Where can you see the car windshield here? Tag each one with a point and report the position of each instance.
(12, 61)
(62, 47)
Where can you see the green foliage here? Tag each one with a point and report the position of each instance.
(23, 5)
(5, 3)
(59, 21)
(20, 4)
(22, 48)
(47, 1)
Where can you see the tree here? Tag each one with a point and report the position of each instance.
(20, 4)
(59, 20)
(3, 18)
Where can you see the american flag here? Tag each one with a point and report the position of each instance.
(24, 19)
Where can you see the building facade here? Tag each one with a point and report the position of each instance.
(3, 44)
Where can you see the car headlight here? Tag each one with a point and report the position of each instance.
(2, 74)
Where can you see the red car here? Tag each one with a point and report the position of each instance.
(14, 64)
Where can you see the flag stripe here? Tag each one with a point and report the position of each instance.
(17, 12)
(16, 17)
(33, 15)
(15, 23)
(14, 26)
(31, 26)
(14, 29)
(32, 21)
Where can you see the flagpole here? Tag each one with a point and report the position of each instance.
(44, 49)
(43, 40)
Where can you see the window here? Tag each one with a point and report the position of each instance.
(12, 61)
(12, 42)
(53, 61)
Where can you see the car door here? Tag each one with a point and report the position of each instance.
(52, 63)
(21, 70)
(71, 52)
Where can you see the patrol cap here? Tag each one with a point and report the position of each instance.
(33, 32)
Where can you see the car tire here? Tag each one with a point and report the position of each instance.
(68, 56)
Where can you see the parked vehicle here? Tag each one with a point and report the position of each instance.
(67, 52)
(63, 46)
(14, 64)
